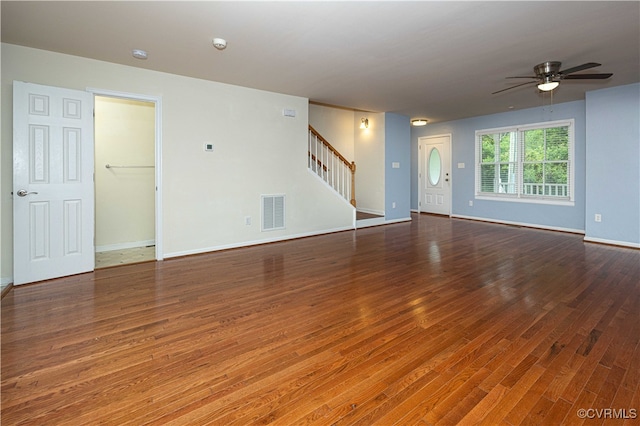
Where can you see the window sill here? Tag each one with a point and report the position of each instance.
(514, 199)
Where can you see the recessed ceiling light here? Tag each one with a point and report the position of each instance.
(139, 54)
(220, 43)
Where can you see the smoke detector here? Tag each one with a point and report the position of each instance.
(139, 54)
(220, 43)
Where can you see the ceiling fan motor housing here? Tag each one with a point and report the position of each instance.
(547, 69)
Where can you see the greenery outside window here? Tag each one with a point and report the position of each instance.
(530, 163)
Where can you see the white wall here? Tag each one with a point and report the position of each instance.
(6, 201)
(125, 197)
(369, 146)
(206, 196)
(336, 126)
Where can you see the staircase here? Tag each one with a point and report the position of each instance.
(332, 167)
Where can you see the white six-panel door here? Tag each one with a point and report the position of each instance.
(435, 174)
(53, 211)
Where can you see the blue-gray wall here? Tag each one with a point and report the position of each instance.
(613, 164)
(607, 166)
(571, 218)
(397, 148)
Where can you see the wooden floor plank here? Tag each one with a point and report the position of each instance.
(434, 321)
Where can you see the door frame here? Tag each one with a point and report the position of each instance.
(423, 140)
(157, 100)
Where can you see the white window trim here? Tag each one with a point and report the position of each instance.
(519, 198)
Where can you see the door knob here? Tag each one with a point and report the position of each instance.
(24, 193)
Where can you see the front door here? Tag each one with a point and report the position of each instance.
(435, 174)
(53, 211)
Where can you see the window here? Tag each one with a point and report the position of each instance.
(531, 163)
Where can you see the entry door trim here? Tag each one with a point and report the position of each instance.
(157, 100)
(423, 140)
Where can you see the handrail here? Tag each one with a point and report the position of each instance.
(335, 151)
(331, 166)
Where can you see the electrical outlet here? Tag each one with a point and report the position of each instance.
(247, 220)
(393, 205)
(598, 217)
(470, 203)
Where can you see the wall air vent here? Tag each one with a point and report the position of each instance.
(272, 212)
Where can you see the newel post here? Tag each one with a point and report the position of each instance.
(352, 166)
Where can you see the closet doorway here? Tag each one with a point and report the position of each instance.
(125, 180)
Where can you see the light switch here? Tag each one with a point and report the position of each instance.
(461, 165)
(395, 165)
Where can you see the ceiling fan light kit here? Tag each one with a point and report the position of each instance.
(548, 85)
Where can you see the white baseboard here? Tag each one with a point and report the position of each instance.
(371, 211)
(123, 246)
(5, 281)
(255, 242)
(612, 242)
(402, 219)
(366, 223)
(526, 225)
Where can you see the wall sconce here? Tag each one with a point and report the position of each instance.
(419, 122)
(364, 123)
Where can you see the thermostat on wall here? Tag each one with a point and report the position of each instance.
(208, 146)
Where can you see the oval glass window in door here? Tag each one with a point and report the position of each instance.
(435, 166)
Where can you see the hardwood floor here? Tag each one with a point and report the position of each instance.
(110, 258)
(363, 216)
(433, 321)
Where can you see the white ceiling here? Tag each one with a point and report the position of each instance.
(438, 60)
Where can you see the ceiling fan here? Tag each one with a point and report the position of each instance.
(548, 75)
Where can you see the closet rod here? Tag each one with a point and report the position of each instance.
(109, 166)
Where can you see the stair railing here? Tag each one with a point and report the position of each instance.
(332, 167)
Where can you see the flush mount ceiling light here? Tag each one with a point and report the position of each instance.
(364, 123)
(220, 43)
(419, 122)
(139, 54)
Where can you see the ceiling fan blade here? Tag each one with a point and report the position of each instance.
(579, 68)
(587, 76)
(524, 76)
(517, 85)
